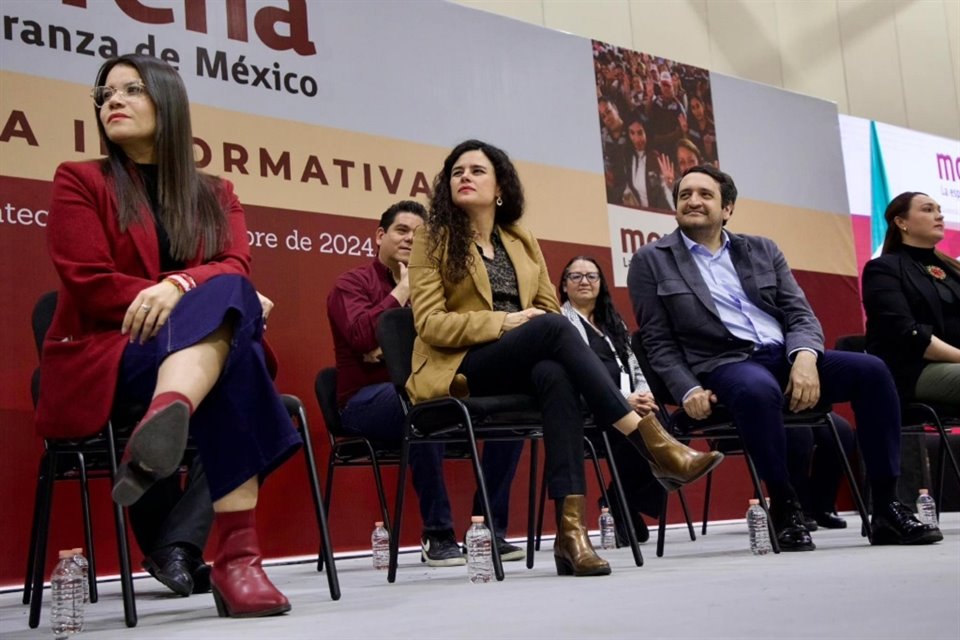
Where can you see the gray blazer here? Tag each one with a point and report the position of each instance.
(679, 324)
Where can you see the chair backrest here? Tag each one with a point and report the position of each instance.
(395, 334)
(42, 317)
(856, 342)
(325, 387)
(657, 386)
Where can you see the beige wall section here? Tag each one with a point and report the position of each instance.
(608, 19)
(674, 30)
(744, 41)
(897, 61)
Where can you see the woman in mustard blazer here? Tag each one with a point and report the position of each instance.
(488, 323)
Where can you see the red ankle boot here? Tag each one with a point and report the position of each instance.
(240, 587)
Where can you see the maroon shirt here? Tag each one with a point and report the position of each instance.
(354, 306)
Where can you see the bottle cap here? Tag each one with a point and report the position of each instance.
(753, 501)
(476, 519)
(66, 553)
(378, 523)
(604, 510)
(923, 492)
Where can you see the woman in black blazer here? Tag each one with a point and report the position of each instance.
(911, 294)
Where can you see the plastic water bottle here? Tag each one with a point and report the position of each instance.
(926, 508)
(66, 587)
(759, 532)
(479, 553)
(380, 540)
(608, 532)
(81, 561)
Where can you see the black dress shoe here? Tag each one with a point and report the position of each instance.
(171, 565)
(200, 572)
(810, 522)
(829, 520)
(792, 534)
(894, 523)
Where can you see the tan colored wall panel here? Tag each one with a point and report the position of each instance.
(811, 240)
(951, 13)
(606, 20)
(673, 30)
(871, 62)
(743, 40)
(925, 60)
(810, 49)
(526, 10)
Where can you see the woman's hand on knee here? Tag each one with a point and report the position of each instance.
(149, 311)
(517, 318)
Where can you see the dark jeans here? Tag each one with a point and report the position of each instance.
(241, 427)
(753, 391)
(814, 466)
(548, 358)
(375, 413)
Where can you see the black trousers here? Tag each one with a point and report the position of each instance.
(174, 512)
(547, 358)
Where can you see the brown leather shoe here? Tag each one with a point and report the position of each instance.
(673, 464)
(572, 550)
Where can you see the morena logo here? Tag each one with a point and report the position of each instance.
(948, 167)
(293, 14)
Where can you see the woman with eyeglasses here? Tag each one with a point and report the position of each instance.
(587, 304)
(487, 324)
(155, 308)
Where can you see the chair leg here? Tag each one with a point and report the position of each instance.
(326, 497)
(543, 500)
(945, 451)
(32, 552)
(378, 480)
(398, 508)
(686, 514)
(123, 546)
(43, 528)
(706, 503)
(532, 501)
(88, 530)
(622, 499)
(662, 526)
(851, 479)
(326, 548)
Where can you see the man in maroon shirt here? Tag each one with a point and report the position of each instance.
(369, 405)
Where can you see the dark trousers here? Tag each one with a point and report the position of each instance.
(813, 464)
(753, 391)
(375, 413)
(174, 512)
(548, 358)
(241, 427)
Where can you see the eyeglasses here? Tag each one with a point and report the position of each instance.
(130, 91)
(591, 277)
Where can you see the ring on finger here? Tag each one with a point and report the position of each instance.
(145, 308)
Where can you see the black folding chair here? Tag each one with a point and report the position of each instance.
(721, 426)
(451, 420)
(96, 457)
(915, 416)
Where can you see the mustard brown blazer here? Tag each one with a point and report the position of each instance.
(452, 317)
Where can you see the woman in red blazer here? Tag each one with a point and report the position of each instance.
(155, 307)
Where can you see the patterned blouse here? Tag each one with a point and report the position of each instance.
(503, 277)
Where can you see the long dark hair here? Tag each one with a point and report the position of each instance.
(449, 223)
(899, 207)
(605, 315)
(189, 207)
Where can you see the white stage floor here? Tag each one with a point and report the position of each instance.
(710, 588)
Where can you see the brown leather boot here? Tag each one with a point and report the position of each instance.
(572, 550)
(240, 587)
(673, 464)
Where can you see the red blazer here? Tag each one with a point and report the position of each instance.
(101, 271)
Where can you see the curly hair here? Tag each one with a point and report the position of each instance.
(449, 223)
(605, 314)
